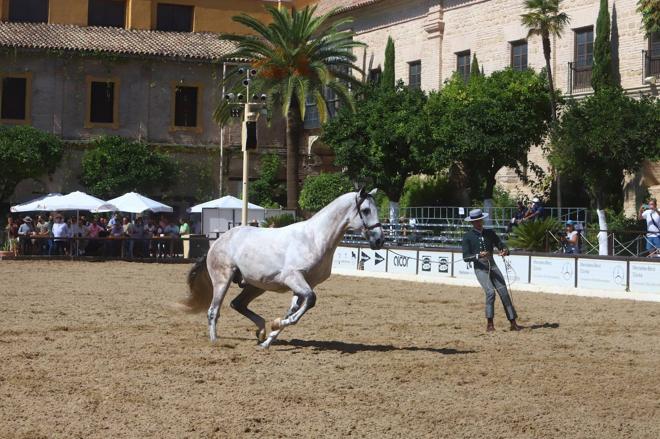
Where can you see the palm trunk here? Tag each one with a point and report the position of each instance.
(553, 104)
(293, 123)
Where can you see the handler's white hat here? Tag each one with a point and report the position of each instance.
(476, 214)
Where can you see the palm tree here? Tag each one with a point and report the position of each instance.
(650, 10)
(544, 19)
(298, 56)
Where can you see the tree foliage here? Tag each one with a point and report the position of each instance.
(603, 75)
(650, 10)
(299, 56)
(25, 152)
(388, 79)
(474, 67)
(604, 135)
(115, 165)
(489, 124)
(267, 191)
(385, 140)
(318, 191)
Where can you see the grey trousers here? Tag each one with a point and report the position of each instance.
(490, 284)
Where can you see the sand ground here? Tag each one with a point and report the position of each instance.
(95, 350)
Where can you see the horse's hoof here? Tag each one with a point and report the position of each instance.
(276, 325)
(261, 335)
(264, 346)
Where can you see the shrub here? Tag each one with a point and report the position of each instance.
(532, 235)
(279, 220)
(318, 191)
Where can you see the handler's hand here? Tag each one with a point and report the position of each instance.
(484, 254)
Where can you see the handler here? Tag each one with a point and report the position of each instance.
(478, 249)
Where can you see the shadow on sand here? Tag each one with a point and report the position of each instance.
(543, 326)
(351, 348)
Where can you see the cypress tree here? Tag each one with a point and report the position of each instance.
(474, 67)
(388, 79)
(602, 70)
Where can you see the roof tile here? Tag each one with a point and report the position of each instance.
(326, 6)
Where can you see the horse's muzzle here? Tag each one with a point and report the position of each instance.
(376, 239)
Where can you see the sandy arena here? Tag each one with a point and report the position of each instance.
(95, 350)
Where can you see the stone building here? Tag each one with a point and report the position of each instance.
(435, 38)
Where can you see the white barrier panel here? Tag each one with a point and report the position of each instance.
(434, 263)
(644, 277)
(402, 261)
(602, 274)
(345, 258)
(372, 260)
(519, 272)
(558, 272)
(461, 269)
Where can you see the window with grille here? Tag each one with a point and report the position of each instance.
(106, 13)
(584, 47)
(28, 11)
(13, 94)
(415, 74)
(654, 45)
(102, 102)
(174, 18)
(463, 64)
(185, 106)
(519, 55)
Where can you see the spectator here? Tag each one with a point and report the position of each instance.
(60, 233)
(171, 231)
(518, 216)
(25, 232)
(127, 235)
(94, 231)
(184, 232)
(78, 231)
(535, 211)
(651, 214)
(151, 231)
(570, 241)
(12, 234)
(42, 232)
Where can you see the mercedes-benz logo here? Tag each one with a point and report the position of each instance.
(567, 271)
(619, 275)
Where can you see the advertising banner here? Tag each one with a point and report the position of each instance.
(372, 260)
(645, 277)
(602, 274)
(345, 258)
(558, 272)
(518, 271)
(434, 263)
(402, 261)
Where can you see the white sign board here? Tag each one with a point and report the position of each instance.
(461, 269)
(519, 269)
(558, 272)
(402, 261)
(345, 258)
(645, 277)
(372, 260)
(434, 263)
(601, 274)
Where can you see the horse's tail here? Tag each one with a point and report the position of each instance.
(200, 286)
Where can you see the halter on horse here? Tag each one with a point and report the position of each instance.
(296, 258)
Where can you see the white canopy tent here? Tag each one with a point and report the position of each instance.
(226, 202)
(76, 201)
(36, 204)
(133, 202)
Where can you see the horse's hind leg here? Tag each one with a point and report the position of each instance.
(240, 304)
(221, 280)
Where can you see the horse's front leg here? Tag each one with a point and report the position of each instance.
(303, 300)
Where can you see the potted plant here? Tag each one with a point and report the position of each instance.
(4, 250)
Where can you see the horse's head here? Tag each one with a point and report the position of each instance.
(366, 219)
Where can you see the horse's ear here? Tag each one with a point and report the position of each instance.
(373, 191)
(363, 192)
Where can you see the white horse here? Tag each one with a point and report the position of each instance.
(297, 258)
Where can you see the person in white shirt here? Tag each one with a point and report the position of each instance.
(570, 241)
(60, 232)
(651, 214)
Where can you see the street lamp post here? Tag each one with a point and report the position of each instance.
(249, 131)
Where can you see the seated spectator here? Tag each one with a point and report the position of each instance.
(60, 233)
(650, 213)
(25, 232)
(518, 216)
(535, 211)
(571, 240)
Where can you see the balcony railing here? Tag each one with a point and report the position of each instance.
(651, 65)
(579, 78)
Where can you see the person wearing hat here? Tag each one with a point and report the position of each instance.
(24, 231)
(478, 246)
(535, 211)
(570, 240)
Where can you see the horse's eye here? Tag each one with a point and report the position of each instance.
(366, 211)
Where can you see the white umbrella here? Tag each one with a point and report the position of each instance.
(36, 204)
(133, 202)
(226, 202)
(76, 201)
